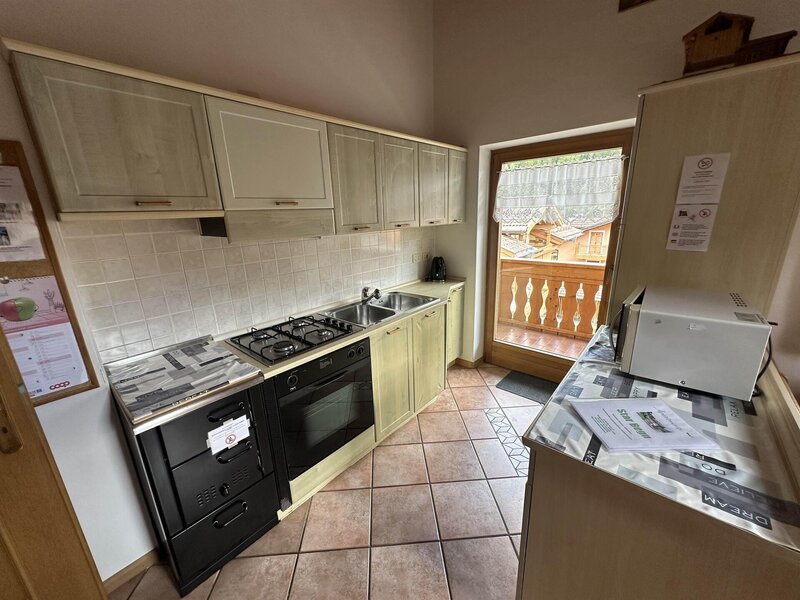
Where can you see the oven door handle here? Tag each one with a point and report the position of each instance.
(220, 525)
(331, 380)
(224, 460)
(216, 419)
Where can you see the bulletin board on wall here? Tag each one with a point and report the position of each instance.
(36, 314)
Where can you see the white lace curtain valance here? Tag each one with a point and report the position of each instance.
(569, 187)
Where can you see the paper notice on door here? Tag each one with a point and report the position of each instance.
(691, 227)
(228, 435)
(702, 178)
(19, 235)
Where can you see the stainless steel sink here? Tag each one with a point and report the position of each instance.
(362, 314)
(400, 301)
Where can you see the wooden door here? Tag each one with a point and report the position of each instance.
(393, 382)
(432, 185)
(534, 342)
(114, 143)
(43, 554)
(456, 186)
(269, 159)
(455, 324)
(400, 182)
(429, 356)
(356, 172)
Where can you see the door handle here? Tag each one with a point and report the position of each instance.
(10, 440)
(287, 203)
(395, 330)
(220, 525)
(216, 419)
(224, 460)
(154, 203)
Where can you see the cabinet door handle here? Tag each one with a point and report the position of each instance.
(361, 228)
(432, 314)
(224, 460)
(433, 222)
(220, 525)
(154, 203)
(403, 225)
(456, 220)
(287, 202)
(214, 418)
(395, 330)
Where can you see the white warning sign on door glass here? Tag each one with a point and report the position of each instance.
(691, 227)
(229, 434)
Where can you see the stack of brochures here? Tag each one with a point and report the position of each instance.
(640, 425)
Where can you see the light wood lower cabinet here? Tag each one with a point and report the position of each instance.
(429, 355)
(392, 377)
(455, 323)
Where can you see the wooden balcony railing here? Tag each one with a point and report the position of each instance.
(563, 298)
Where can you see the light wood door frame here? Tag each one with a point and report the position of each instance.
(540, 364)
(43, 553)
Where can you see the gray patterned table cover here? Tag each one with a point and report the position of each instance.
(159, 380)
(744, 484)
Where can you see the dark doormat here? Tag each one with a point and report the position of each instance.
(528, 386)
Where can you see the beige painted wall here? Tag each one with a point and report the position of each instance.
(366, 60)
(516, 69)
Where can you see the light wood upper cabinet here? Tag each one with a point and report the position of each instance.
(393, 382)
(356, 175)
(429, 355)
(114, 143)
(455, 323)
(400, 182)
(269, 159)
(432, 185)
(456, 186)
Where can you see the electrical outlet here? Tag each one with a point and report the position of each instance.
(420, 256)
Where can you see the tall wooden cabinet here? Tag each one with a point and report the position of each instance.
(356, 174)
(429, 348)
(456, 186)
(392, 377)
(432, 185)
(751, 112)
(114, 143)
(400, 182)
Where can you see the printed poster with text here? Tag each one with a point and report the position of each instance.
(35, 322)
(19, 235)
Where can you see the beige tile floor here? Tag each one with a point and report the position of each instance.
(432, 513)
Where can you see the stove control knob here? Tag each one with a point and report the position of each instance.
(348, 327)
(360, 350)
(351, 353)
(291, 381)
(225, 489)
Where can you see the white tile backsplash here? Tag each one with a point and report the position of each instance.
(148, 284)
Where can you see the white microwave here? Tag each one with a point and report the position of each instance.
(704, 340)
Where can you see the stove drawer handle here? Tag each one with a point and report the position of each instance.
(216, 419)
(220, 525)
(225, 459)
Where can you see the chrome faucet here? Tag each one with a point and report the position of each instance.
(366, 296)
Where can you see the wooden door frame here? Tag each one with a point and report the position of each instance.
(546, 366)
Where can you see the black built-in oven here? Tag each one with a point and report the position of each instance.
(323, 404)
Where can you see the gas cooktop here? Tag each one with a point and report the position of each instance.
(278, 342)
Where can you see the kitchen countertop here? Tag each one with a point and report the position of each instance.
(747, 484)
(424, 288)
